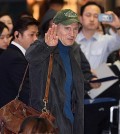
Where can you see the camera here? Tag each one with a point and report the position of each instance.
(105, 18)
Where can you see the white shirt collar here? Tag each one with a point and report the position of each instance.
(19, 46)
(81, 36)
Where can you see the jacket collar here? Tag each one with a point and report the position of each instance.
(73, 54)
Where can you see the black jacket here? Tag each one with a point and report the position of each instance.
(12, 68)
(38, 58)
(44, 24)
(1, 50)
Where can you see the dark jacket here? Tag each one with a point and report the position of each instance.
(1, 51)
(38, 57)
(12, 68)
(44, 25)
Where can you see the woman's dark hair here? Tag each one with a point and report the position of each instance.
(37, 125)
(2, 26)
(7, 14)
(91, 3)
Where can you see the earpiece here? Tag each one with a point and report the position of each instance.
(17, 35)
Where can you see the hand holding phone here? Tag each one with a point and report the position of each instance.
(105, 18)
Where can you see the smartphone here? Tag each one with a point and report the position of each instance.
(105, 18)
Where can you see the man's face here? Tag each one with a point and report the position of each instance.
(67, 34)
(28, 36)
(89, 19)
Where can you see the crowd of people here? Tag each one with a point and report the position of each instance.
(97, 47)
(79, 44)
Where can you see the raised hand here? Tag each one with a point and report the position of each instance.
(95, 85)
(51, 38)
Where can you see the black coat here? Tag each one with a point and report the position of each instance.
(1, 50)
(12, 68)
(38, 57)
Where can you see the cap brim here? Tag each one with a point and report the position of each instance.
(70, 21)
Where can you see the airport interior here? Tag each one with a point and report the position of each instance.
(36, 9)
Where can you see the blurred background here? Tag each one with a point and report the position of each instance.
(36, 7)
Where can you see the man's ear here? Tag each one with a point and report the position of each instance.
(16, 34)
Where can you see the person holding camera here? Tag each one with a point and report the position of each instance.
(97, 47)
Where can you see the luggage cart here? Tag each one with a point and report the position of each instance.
(115, 123)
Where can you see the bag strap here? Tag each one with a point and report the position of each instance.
(21, 85)
(45, 100)
(48, 78)
(47, 89)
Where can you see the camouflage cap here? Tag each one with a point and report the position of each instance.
(66, 17)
